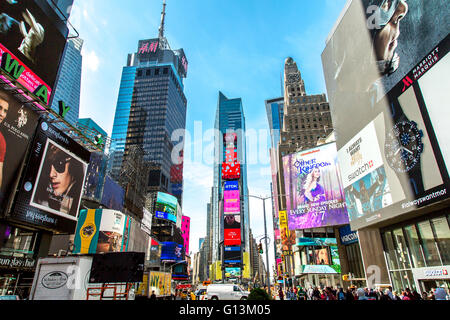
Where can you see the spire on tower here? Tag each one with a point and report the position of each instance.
(163, 43)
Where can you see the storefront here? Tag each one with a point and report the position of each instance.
(17, 260)
(418, 253)
(352, 251)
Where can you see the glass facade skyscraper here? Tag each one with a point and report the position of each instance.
(151, 107)
(229, 119)
(68, 86)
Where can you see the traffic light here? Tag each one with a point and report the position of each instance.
(345, 277)
(260, 248)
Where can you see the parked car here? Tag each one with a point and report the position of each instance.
(226, 292)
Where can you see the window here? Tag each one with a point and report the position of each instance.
(156, 72)
(429, 245)
(442, 230)
(414, 246)
(390, 250)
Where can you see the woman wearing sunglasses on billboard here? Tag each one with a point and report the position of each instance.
(60, 182)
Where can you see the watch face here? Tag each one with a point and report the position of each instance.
(88, 230)
(403, 146)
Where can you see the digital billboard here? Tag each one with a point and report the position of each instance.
(166, 207)
(101, 231)
(232, 237)
(32, 41)
(172, 251)
(287, 236)
(231, 168)
(113, 195)
(231, 221)
(232, 272)
(232, 255)
(50, 190)
(17, 127)
(314, 193)
(95, 176)
(386, 86)
(231, 202)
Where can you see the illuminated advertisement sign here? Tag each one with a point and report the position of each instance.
(113, 195)
(287, 236)
(232, 221)
(171, 251)
(315, 197)
(95, 176)
(232, 255)
(232, 272)
(101, 231)
(232, 237)
(32, 41)
(52, 185)
(231, 202)
(231, 185)
(394, 152)
(166, 207)
(17, 129)
(148, 46)
(231, 168)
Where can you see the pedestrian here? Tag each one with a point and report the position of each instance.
(349, 295)
(281, 294)
(405, 296)
(395, 296)
(301, 294)
(153, 296)
(425, 295)
(361, 293)
(341, 295)
(440, 294)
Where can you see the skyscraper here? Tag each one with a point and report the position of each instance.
(68, 86)
(150, 108)
(229, 119)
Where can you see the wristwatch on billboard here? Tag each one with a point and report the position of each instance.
(87, 231)
(403, 147)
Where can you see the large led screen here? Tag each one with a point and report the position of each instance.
(232, 237)
(314, 193)
(171, 251)
(232, 255)
(387, 86)
(166, 207)
(113, 195)
(231, 202)
(33, 35)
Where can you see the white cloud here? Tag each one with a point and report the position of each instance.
(91, 60)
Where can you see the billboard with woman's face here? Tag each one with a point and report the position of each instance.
(52, 184)
(314, 193)
(388, 88)
(59, 182)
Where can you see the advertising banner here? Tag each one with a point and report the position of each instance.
(146, 223)
(166, 207)
(34, 36)
(315, 197)
(232, 255)
(17, 127)
(160, 283)
(232, 237)
(246, 270)
(231, 168)
(390, 78)
(101, 230)
(232, 221)
(52, 185)
(95, 176)
(347, 235)
(113, 195)
(172, 251)
(231, 202)
(287, 236)
(232, 272)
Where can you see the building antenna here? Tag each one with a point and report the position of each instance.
(163, 43)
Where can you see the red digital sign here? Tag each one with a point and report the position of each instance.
(232, 237)
(231, 168)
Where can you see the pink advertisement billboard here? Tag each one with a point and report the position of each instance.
(231, 202)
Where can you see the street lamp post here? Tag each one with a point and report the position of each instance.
(265, 236)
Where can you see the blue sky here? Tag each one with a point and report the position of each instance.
(235, 46)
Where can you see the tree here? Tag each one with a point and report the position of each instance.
(258, 294)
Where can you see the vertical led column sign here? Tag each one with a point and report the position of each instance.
(231, 208)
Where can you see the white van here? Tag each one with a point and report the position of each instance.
(226, 292)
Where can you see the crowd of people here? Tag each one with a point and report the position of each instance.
(353, 293)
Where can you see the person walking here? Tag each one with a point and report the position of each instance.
(281, 294)
(341, 295)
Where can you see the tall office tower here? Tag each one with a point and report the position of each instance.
(68, 86)
(306, 118)
(230, 121)
(151, 106)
